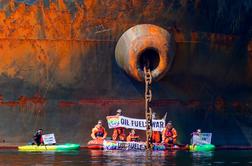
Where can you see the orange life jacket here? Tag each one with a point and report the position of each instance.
(172, 133)
(118, 133)
(98, 131)
(156, 137)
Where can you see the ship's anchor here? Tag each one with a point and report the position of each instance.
(148, 111)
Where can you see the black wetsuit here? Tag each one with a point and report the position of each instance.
(37, 138)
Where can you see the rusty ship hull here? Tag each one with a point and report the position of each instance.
(58, 69)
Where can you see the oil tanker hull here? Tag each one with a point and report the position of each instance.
(61, 75)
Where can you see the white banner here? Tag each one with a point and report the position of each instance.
(49, 139)
(119, 145)
(122, 145)
(132, 123)
(202, 139)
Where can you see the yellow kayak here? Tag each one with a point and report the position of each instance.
(64, 147)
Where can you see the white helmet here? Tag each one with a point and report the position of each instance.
(119, 111)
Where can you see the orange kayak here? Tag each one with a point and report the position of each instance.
(95, 144)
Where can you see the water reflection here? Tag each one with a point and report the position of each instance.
(199, 155)
(113, 157)
(16, 158)
(201, 158)
(99, 157)
(150, 158)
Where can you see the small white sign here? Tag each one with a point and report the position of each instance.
(49, 139)
(206, 137)
(203, 138)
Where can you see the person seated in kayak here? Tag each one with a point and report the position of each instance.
(99, 132)
(133, 136)
(37, 137)
(156, 135)
(169, 134)
(196, 138)
(119, 132)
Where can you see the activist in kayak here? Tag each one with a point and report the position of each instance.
(46, 142)
(37, 137)
(201, 141)
(119, 132)
(169, 134)
(99, 132)
(196, 137)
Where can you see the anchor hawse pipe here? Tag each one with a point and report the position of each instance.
(145, 43)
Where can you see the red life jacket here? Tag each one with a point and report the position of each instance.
(100, 132)
(169, 133)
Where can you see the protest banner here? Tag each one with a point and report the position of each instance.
(120, 145)
(133, 123)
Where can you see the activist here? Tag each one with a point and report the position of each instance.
(133, 136)
(99, 132)
(37, 137)
(119, 132)
(169, 134)
(196, 138)
(156, 135)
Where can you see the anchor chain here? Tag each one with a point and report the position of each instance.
(148, 110)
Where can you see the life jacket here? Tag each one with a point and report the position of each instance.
(38, 138)
(119, 133)
(99, 131)
(41, 140)
(156, 136)
(170, 133)
(132, 137)
(120, 130)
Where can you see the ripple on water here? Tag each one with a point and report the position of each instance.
(235, 162)
(218, 162)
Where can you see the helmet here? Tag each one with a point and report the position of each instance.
(39, 130)
(198, 130)
(119, 112)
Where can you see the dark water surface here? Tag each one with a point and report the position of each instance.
(98, 157)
